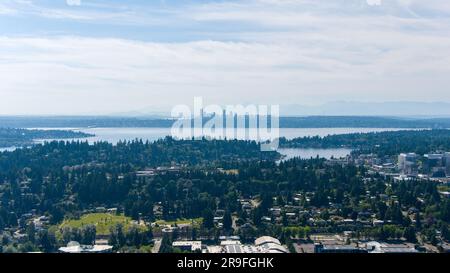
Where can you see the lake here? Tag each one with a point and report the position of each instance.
(290, 153)
(114, 135)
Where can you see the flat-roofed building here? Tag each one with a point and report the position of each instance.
(376, 247)
(75, 247)
(233, 249)
(320, 248)
(230, 242)
(191, 246)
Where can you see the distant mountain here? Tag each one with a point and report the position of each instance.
(348, 108)
(337, 108)
(148, 112)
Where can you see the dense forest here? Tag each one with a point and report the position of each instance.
(22, 137)
(64, 180)
(382, 143)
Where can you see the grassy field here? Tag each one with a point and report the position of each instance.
(102, 221)
(197, 222)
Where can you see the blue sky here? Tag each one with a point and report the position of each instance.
(103, 56)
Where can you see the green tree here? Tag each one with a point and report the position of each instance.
(208, 219)
(166, 244)
(89, 233)
(31, 232)
(410, 234)
(46, 241)
(227, 220)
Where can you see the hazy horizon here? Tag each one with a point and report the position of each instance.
(98, 57)
(337, 108)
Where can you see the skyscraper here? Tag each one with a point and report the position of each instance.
(407, 163)
(447, 163)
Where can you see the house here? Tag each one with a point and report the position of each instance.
(146, 173)
(445, 194)
(378, 222)
(41, 222)
(276, 212)
(100, 210)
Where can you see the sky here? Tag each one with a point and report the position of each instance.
(109, 56)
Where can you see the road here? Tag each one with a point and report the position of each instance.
(157, 246)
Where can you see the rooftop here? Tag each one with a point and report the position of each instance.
(75, 247)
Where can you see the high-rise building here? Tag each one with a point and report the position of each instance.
(407, 163)
(433, 164)
(447, 163)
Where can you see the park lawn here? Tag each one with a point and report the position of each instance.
(102, 221)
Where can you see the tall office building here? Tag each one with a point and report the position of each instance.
(407, 164)
(447, 163)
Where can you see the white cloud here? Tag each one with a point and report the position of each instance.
(73, 2)
(6, 10)
(113, 75)
(374, 2)
(258, 51)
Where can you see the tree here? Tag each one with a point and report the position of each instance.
(31, 232)
(445, 231)
(166, 244)
(117, 236)
(227, 220)
(257, 215)
(133, 237)
(89, 233)
(445, 211)
(46, 241)
(418, 221)
(121, 240)
(194, 234)
(113, 238)
(148, 236)
(284, 220)
(67, 235)
(208, 219)
(410, 234)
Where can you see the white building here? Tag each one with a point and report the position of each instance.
(407, 163)
(75, 247)
(376, 247)
(191, 246)
(265, 244)
(230, 242)
(265, 240)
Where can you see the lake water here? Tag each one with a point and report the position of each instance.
(290, 153)
(114, 135)
(8, 149)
